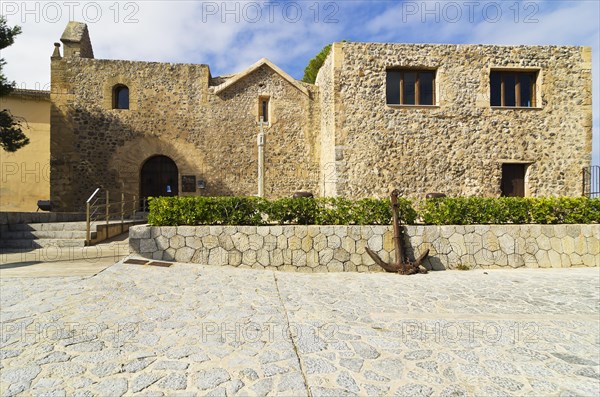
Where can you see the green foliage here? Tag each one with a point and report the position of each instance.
(301, 211)
(566, 210)
(174, 211)
(7, 38)
(11, 135)
(310, 72)
(503, 210)
(336, 211)
(369, 211)
(7, 35)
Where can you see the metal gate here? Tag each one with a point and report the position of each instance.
(590, 181)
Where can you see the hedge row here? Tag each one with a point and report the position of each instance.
(517, 210)
(174, 211)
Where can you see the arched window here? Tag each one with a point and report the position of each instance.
(120, 97)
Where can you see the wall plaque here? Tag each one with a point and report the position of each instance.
(188, 183)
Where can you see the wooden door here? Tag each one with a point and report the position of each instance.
(159, 177)
(513, 180)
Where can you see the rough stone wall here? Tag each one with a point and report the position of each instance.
(342, 248)
(174, 113)
(76, 40)
(457, 147)
(327, 92)
(291, 148)
(337, 137)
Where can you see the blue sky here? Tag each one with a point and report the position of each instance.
(231, 35)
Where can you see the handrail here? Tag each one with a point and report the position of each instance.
(93, 194)
(103, 210)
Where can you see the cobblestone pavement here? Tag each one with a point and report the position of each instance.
(53, 261)
(198, 330)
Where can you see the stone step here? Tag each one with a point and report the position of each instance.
(44, 234)
(57, 226)
(42, 243)
(55, 234)
(54, 227)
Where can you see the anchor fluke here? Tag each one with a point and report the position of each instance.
(402, 265)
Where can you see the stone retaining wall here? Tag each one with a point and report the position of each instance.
(342, 248)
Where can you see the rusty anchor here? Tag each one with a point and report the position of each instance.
(402, 265)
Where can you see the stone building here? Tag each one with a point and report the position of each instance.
(467, 119)
(456, 119)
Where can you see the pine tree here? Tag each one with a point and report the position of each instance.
(12, 137)
(310, 72)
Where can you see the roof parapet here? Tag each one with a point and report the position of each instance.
(264, 61)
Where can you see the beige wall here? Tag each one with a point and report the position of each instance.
(25, 174)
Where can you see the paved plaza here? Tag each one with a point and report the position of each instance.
(198, 330)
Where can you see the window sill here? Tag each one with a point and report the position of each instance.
(515, 108)
(412, 106)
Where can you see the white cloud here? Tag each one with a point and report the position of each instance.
(229, 36)
(206, 32)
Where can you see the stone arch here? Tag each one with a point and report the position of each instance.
(128, 160)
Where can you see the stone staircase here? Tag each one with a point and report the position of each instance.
(55, 234)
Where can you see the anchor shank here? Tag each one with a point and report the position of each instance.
(397, 232)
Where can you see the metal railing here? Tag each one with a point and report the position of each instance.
(590, 181)
(100, 208)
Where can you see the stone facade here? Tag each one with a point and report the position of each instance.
(456, 146)
(337, 137)
(208, 127)
(314, 249)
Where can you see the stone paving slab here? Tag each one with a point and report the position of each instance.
(199, 330)
(56, 261)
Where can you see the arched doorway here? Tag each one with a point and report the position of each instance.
(159, 177)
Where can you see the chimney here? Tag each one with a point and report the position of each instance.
(76, 41)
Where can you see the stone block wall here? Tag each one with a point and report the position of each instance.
(335, 138)
(175, 111)
(458, 145)
(342, 248)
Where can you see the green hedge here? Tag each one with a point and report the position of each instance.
(174, 211)
(502, 210)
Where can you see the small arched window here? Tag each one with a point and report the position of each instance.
(120, 97)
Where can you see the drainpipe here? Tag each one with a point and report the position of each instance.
(260, 140)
